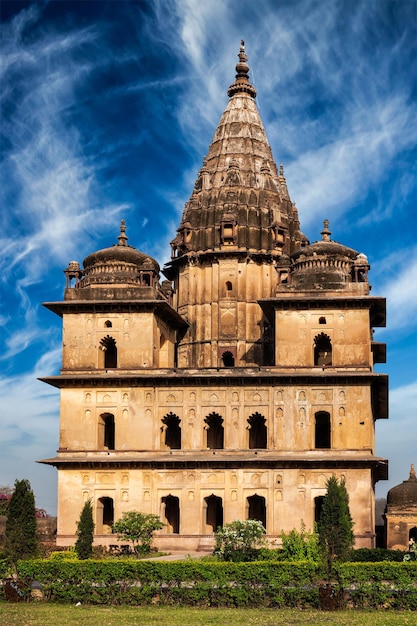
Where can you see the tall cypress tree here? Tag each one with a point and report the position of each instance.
(21, 524)
(85, 532)
(335, 526)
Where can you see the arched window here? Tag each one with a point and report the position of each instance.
(105, 515)
(257, 431)
(257, 509)
(322, 430)
(228, 359)
(412, 535)
(215, 431)
(106, 431)
(108, 346)
(213, 513)
(322, 350)
(172, 430)
(318, 505)
(229, 285)
(108, 324)
(171, 505)
(322, 320)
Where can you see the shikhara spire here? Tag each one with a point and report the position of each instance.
(240, 200)
(242, 84)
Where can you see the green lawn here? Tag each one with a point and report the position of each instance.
(49, 614)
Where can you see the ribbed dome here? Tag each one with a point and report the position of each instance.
(325, 264)
(118, 264)
(404, 496)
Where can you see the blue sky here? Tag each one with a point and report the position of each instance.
(108, 108)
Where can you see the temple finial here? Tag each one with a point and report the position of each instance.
(242, 84)
(412, 472)
(122, 238)
(325, 233)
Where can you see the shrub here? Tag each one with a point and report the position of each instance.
(137, 528)
(21, 526)
(375, 555)
(85, 532)
(335, 526)
(300, 545)
(239, 540)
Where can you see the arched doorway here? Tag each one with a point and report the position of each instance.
(107, 431)
(171, 426)
(322, 438)
(215, 431)
(318, 505)
(213, 513)
(257, 509)
(257, 431)
(322, 350)
(109, 349)
(172, 513)
(105, 515)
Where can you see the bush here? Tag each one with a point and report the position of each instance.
(300, 545)
(137, 528)
(85, 532)
(21, 526)
(199, 583)
(374, 555)
(239, 541)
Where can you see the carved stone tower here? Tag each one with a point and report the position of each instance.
(237, 387)
(236, 225)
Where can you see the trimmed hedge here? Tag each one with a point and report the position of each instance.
(199, 583)
(380, 585)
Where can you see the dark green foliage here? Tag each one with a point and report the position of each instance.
(138, 528)
(85, 532)
(335, 526)
(199, 583)
(21, 525)
(375, 555)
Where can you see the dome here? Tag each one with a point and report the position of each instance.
(118, 264)
(324, 264)
(325, 247)
(404, 496)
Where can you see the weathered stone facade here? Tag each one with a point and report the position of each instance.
(239, 385)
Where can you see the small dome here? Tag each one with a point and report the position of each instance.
(120, 263)
(324, 264)
(404, 496)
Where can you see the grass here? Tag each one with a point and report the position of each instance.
(49, 614)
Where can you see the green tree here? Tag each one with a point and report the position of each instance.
(137, 528)
(300, 545)
(85, 532)
(21, 525)
(239, 540)
(335, 526)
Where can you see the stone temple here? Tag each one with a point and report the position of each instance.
(235, 387)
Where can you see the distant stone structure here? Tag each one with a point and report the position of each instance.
(240, 384)
(46, 529)
(401, 514)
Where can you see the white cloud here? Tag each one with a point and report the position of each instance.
(396, 438)
(396, 279)
(30, 426)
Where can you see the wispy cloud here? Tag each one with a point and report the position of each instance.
(399, 433)
(108, 114)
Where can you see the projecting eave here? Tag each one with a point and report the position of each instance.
(161, 308)
(251, 376)
(222, 459)
(336, 299)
